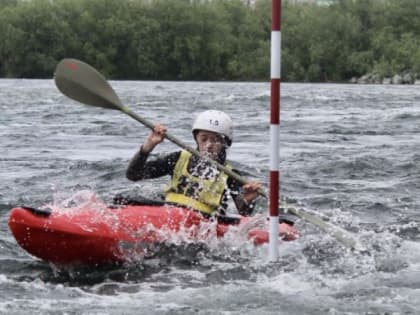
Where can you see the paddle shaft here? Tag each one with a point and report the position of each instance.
(339, 234)
(83, 83)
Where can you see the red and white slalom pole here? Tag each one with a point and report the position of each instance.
(274, 128)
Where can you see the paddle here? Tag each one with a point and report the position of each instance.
(338, 233)
(81, 82)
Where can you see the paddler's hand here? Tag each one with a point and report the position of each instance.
(250, 191)
(156, 136)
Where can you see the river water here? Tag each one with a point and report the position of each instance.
(348, 152)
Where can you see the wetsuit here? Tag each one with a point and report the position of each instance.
(139, 169)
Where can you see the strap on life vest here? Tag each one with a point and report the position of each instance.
(188, 202)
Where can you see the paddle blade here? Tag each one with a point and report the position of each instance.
(83, 83)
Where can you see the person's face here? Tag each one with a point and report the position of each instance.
(209, 143)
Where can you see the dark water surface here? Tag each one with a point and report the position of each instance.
(348, 152)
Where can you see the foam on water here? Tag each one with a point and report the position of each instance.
(348, 153)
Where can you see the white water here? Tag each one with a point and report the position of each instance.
(348, 152)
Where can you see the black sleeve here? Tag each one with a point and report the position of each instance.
(139, 168)
(236, 192)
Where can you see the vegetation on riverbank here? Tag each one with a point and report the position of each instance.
(210, 40)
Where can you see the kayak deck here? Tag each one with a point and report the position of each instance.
(99, 235)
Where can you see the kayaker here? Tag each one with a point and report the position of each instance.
(195, 183)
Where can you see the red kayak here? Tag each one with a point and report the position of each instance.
(99, 234)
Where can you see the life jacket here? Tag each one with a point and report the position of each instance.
(194, 192)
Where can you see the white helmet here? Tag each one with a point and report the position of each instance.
(215, 121)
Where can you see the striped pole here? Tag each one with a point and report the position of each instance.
(274, 128)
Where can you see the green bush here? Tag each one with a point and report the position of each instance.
(210, 40)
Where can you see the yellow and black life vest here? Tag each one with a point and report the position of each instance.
(194, 192)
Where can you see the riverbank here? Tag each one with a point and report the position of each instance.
(373, 78)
